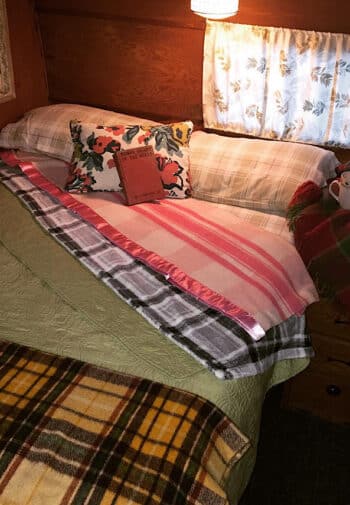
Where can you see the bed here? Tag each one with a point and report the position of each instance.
(55, 300)
(138, 343)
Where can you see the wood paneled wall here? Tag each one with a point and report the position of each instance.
(140, 57)
(28, 62)
(145, 57)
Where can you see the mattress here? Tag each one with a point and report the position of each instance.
(50, 301)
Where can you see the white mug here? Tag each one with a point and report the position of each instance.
(343, 196)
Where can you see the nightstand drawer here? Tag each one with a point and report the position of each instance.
(330, 349)
(323, 389)
(324, 317)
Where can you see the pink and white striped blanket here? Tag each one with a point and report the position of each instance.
(248, 273)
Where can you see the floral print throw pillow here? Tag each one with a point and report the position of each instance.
(93, 167)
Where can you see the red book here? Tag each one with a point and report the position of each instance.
(139, 175)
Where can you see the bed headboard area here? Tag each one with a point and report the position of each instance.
(141, 58)
(146, 58)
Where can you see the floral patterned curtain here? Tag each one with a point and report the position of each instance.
(277, 83)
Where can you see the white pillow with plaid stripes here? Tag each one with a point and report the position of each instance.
(46, 129)
(254, 173)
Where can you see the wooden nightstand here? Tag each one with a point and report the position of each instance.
(323, 389)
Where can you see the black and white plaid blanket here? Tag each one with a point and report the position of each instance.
(214, 339)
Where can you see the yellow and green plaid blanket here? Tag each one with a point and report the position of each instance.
(73, 433)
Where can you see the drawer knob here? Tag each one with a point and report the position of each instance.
(333, 390)
(341, 321)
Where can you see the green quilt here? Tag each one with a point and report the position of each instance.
(50, 302)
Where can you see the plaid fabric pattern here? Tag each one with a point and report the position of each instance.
(215, 340)
(72, 433)
(46, 129)
(266, 220)
(322, 236)
(254, 173)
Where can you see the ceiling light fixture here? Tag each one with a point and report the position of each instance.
(215, 9)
